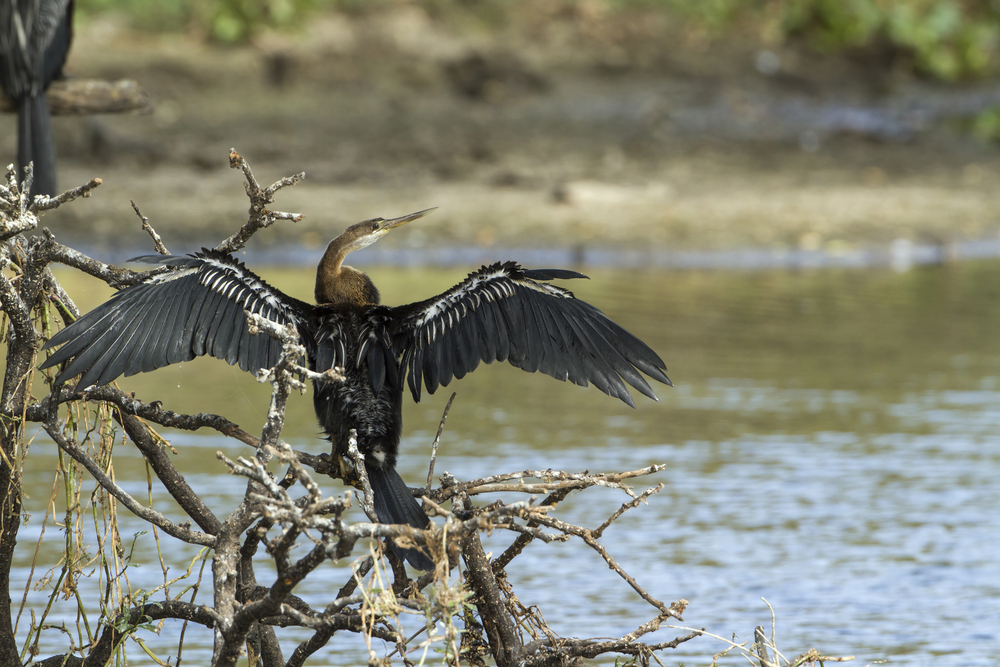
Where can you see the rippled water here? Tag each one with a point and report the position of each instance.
(833, 446)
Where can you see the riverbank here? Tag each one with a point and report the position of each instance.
(523, 141)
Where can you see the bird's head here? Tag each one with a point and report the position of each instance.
(336, 282)
(363, 234)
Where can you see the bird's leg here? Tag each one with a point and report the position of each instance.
(400, 580)
(338, 466)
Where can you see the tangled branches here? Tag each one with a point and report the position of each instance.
(466, 606)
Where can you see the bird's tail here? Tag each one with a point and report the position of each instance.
(395, 504)
(35, 143)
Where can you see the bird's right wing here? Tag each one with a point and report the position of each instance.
(505, 312)
(194, 310)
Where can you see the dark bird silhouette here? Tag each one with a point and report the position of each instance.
(34, 40)
(500, 312)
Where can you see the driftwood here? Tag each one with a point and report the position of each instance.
(86, 97)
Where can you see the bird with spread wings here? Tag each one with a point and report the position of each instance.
(502, 312)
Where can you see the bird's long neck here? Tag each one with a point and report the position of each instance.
(339, 283)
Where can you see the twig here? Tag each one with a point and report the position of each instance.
(533, 532)
(568, 649)
(760, 646)
(67, 308)
(599, 531)
(563, 480)
(588, 537)
(522, 541)
(255, 470)
(47, 203)
(437, 439)
(358, 459)
(130, 405)
(148, 228)
(144, 513)
(259, 217)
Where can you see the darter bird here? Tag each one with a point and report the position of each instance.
(34, 40)
(502, 312)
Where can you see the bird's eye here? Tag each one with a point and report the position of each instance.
(374, 226)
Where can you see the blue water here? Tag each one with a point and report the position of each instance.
(832, 446)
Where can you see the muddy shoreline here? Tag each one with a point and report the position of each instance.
(554, 147)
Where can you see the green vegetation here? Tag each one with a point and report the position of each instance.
(945, 39)
(226, 21)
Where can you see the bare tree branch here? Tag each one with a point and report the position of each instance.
(181, 532)
(50, 251)
(367, 499)
(130, 405)
(260, 217)
(47, 203)
(81, 97)
(505, 644)
(551, 480)
(437, 439)
(148, 228)
(569, 649)
(154, 453)
(523, 540)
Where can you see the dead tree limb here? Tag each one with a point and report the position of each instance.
(505, 644)
(85, 97)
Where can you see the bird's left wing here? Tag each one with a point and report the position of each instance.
(194, 310)
(505, 312)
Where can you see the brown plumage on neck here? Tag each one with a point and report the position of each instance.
(339, 283)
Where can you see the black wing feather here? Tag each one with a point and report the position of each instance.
(556, 351)
(201, 342)
(184, 303)
(118, 356)
(594, 365)
(577, 352)
(485, 329)
(531, 335)
(228, 331)
(412, 364)
(502, 312)
(376, 369)
(611, 352)
(173, 320)
(175, 316)
(638, 353)
(330, 349)
(99, 357)
(514, 326)
(147, 330)
(470, 350)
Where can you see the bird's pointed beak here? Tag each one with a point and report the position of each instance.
(399, 222)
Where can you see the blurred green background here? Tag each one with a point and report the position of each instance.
(944, 39)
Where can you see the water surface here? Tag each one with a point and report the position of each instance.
(832, 445)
